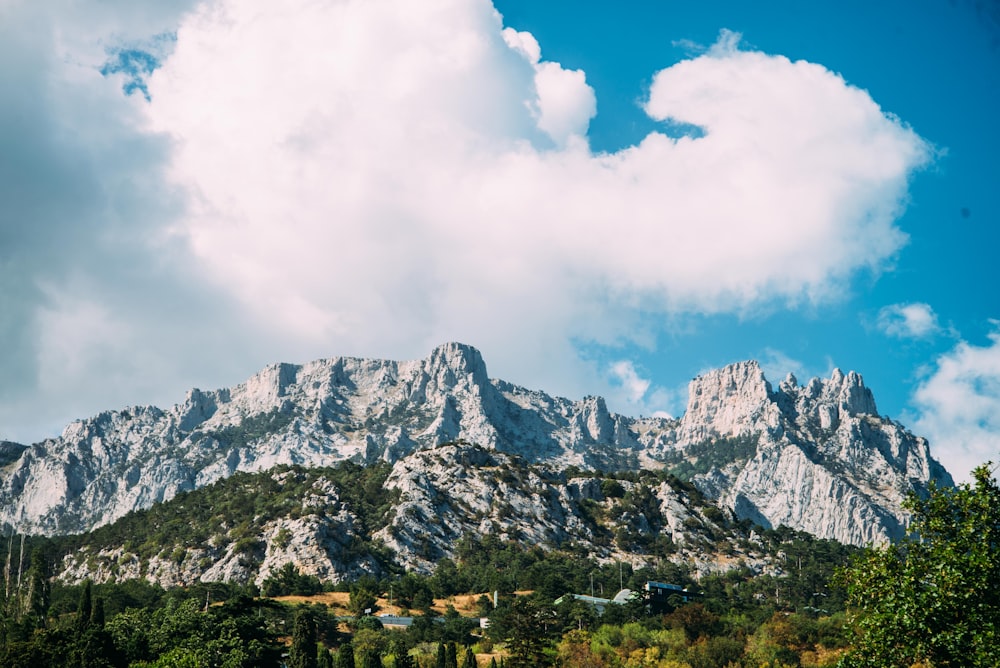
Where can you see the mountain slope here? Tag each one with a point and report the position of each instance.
(816, 458)
(340, 523)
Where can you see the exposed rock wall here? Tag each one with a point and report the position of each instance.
(824, 462)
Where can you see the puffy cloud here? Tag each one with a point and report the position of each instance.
(904, 321)
(565, 103)
(959, 405)
(636, 395)
(777, 365)
(315, 177)
(367, 172)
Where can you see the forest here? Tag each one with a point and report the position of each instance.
(928, 600)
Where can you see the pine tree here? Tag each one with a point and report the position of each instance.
(324, 659)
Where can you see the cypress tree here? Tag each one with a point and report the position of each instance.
(84, 609)
(451, 655)
(372, 659)
(442, 661)
(470, 659)
(345, 656)
(303, 652)
(97, 614)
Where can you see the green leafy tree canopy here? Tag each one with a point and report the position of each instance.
(932, 598)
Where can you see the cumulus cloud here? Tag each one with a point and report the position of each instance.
(959, 404)
(777, 365)
(365, 171)
(377, 177)
(906, 321)
(634, 394)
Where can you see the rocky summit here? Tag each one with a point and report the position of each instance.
(816, 457)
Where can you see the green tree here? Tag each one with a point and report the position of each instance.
(932, 597)
(403, 658)
(362, 600)
(524, 626)
(345, 656)
(84, 610)
(39, 590)
(442, 657)
(371, 659)
(303, 651)
(470, 659)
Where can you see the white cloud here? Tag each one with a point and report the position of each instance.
(904, 321)
(959, 406)
(634, 386)
(777, 365)
(630, 392)
(378, 177)
(375, 173)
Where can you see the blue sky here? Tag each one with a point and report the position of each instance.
(603, 201)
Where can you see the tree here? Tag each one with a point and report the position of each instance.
(470, 659)
(345, 656)
(39, 592)
(441, 660)
(523, 625)
(84, 609)
(303, 652)
(362, 601)
(371, 659)
(931, 597)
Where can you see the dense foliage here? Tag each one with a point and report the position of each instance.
(234, 511)
(932, 598)
(927, 601)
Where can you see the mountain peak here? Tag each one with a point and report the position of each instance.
(815, 457)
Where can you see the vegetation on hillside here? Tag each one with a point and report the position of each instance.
(926, 601)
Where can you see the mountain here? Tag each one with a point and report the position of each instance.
(817, 457)
(340, 523)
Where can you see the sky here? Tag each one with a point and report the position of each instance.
(603, 200)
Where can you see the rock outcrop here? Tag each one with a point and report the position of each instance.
(444, 494)
(816, 457)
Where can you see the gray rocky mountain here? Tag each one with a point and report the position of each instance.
(817, 457)
(439, 495)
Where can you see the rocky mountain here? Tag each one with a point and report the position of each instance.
(817, 457)
(340, 523)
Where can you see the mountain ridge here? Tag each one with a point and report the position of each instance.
(823, 461)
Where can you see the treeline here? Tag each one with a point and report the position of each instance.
(792, 618)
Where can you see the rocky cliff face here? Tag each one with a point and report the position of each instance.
(823, 461)
(445, 493)
(817, 458)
